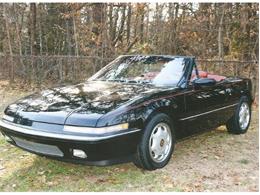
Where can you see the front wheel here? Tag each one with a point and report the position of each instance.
(157, 144)
(240, 121)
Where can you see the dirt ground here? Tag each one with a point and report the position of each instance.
(212, 161)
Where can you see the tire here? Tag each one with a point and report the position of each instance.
(157, 143)
(233, 125)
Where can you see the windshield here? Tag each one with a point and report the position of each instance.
(156, 70)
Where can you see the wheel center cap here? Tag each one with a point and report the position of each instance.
(162, 142)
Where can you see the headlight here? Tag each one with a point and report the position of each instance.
(96, 130)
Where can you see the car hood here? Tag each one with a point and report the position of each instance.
(81, 104)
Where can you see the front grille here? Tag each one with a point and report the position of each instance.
(38, 147)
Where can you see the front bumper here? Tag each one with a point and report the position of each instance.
(99, 150)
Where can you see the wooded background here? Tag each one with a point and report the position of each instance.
(54, 43)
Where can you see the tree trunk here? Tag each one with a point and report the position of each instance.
(33, 29)
(115, 16)
(75, 36)
(11, 72)
(128, 23)
(220, 33)
(99, 18)
(33, 43)
(121, 28)
(110, 17)
(142, 12)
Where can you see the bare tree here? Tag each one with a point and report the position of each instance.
(220, 32)
(11, 72)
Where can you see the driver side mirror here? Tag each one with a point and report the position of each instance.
(203, 82)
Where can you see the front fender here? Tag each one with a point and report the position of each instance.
(167, 106)
(138, 115)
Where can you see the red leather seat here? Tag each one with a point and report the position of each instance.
(204, 74)
(216, 77)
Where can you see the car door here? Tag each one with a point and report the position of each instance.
(204, 107)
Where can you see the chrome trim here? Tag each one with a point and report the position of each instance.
(31, 131)
(38, 147)
(8, 118)
(194, 116)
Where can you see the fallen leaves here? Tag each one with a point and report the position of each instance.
(43, 178)
(216, 157)
(204, 156)
(41, 172)
(109, 180)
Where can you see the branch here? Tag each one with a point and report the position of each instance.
(131, 45)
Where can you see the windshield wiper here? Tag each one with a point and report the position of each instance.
(117, 80)
(139, 81)
(126, 81)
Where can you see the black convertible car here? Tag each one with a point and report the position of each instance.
(133, 109)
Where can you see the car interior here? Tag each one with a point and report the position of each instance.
(204, 74)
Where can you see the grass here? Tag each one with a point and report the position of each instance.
(28, 172)
(244, 161)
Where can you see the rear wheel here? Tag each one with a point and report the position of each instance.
(240, 121)
(157, 143)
